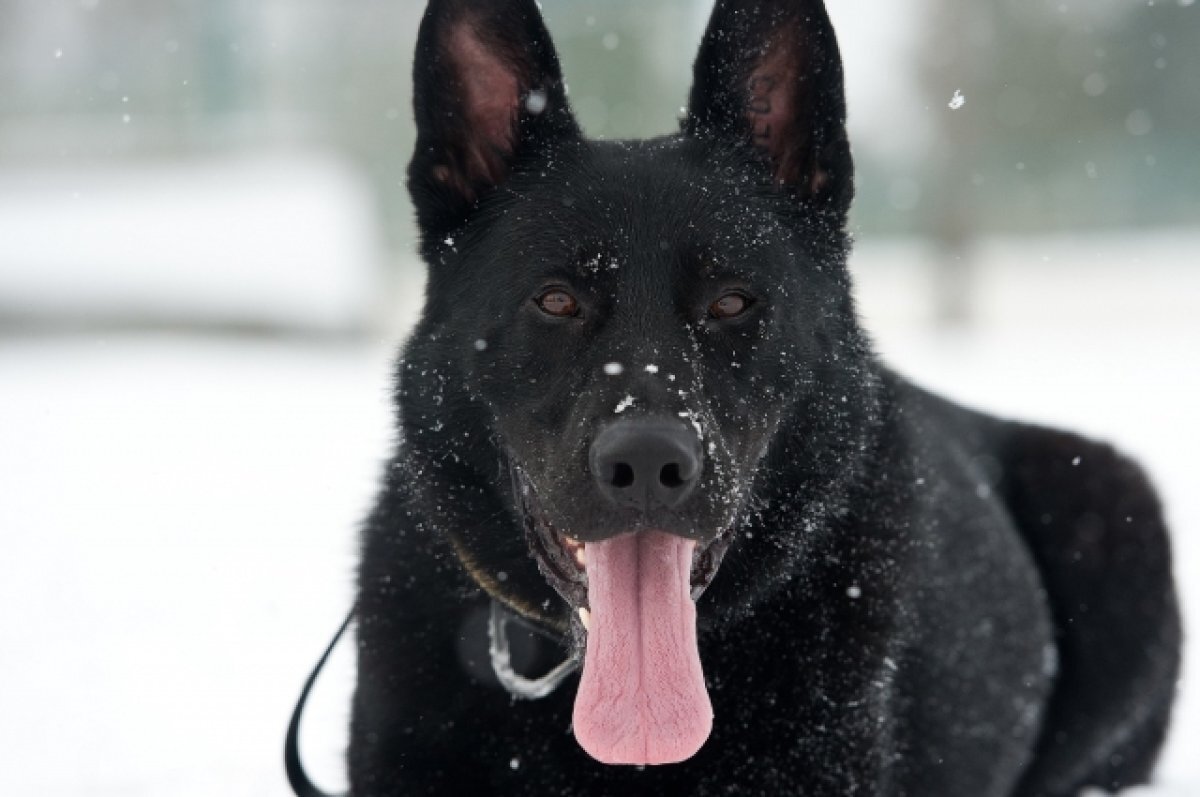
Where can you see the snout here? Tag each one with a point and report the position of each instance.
(646, 463)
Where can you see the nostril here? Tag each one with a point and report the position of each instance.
(622, 475)
(669, 476)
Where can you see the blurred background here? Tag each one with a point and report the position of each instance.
(207, 260)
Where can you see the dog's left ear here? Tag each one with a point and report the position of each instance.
(769, 72)
(487, 88)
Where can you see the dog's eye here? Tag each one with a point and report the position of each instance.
(730, 305)
(558, 303)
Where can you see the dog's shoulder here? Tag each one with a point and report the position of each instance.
(1035, 467)
(1086, 510)
(1094, 527)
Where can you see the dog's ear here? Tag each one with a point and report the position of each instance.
(487, 88)
(769, 72)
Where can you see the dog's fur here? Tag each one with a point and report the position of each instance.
(917, 599)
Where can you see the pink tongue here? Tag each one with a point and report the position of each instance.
(641, 699)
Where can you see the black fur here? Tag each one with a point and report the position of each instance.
(917, 599)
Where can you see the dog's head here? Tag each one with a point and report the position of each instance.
(630, 351)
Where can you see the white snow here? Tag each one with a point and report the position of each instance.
(178, 514)
(178, 523)
(277, 240)
(536, 102)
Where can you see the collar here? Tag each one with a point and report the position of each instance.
(517, 685)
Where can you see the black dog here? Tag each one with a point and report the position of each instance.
(639, 378)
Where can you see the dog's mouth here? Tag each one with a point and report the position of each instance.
(641, 697)
(562, 559)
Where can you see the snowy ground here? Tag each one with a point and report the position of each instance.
(177, 512)
(284, 239)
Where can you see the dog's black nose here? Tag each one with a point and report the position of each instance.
(641, 463)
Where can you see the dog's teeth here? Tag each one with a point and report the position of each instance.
(585, 617)
(580, 556)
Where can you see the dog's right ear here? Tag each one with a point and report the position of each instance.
(487, 87)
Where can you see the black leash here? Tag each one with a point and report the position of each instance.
(297, 777)
(517, 685)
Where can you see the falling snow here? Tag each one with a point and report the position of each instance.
(536, 102)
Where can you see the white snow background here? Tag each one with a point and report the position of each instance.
(178, 510)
